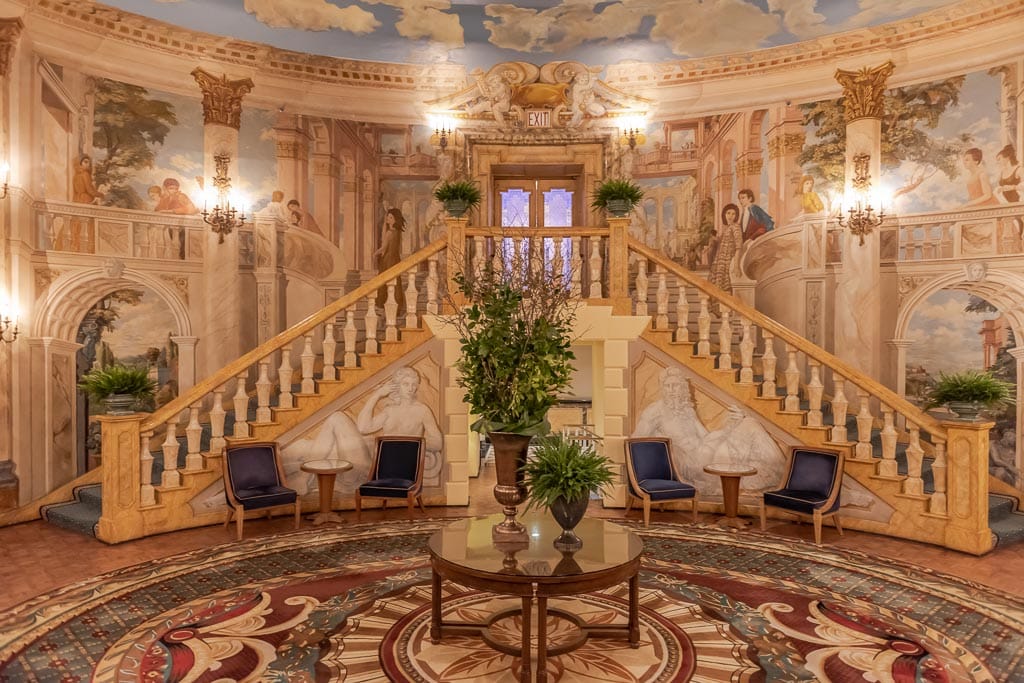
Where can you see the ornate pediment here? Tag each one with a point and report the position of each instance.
(520, 95)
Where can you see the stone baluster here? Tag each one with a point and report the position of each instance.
(792, 375)
(330, 349)
(412, 295)
(308, 359)
(596, 266)
(576, 266)
(815, 390)
(390, 316)
(479, 258)
(371, 326)
(517, 259)
(432, 298)
(193, 439)
(725, 340)
(171, 476)
(865, 422)
(682, 316)
(536, 253)
(913, 485)
(147, 493)
(661, 298)
(641, 287)
(887, 466)
(938, 501)
(217, 418)
(241, 401)
(768, 361)
(284, 379)
(839, 406)
(349, 337)
(946, 241)
(263, 387)
(746, 352)
(704, 327)
(557, 262)
(497, 244)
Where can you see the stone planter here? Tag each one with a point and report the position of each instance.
(568, 514)
(456, 208)
(966, 410)
(618, 207)
(119, 404)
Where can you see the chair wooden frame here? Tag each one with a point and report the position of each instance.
(414, 495)
(817, 517)
(235, 509)
(635, 486)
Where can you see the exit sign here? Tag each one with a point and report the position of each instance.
(538, 118)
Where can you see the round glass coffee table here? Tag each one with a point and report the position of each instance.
(532, 568)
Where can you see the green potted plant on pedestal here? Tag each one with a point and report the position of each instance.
(560, 475)
(458, 196)
(515, 333)
(967, 393)
(617, 196)
(119, 388)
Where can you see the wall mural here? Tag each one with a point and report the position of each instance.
(257, 159)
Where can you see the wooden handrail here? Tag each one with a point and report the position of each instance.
(299, 329)
(858, 378)
(536, 232)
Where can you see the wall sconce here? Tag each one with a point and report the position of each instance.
(440, 137)
(861, 220)
(5, 173)
(632, 137)
(8, 324)
(223, 219)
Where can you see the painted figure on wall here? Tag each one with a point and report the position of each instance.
(390, 254)
(173, 200)
(979, 189)
(301, 218)
(724, 246)
(810, 202)
(754, 220)
(83, 189)
(403, 414)
(1011, 182)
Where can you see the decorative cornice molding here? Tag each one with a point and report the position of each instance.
(863, 91)
(222, 99)
(10, 32)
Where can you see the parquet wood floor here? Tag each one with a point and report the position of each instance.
(37, 557)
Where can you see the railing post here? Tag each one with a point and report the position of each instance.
(618, 266)
(121, 518)
(967, 492)
(456, 254)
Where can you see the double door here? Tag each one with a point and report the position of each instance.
(537, 203)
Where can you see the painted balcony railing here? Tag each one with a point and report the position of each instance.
(964, 234)
(253, 380)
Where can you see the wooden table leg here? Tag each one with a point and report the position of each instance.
(634, 610)
(524, 657)
(435, 607)
(731, 498)
(542, 638)
(325, 482)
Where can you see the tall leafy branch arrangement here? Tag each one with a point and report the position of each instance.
(516, 332)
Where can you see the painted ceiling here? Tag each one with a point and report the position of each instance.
(480, 33)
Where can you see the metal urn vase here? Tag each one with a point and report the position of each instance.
(569, 513)
(509, 457)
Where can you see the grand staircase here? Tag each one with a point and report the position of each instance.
(932, 474)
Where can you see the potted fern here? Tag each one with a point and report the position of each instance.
(119, 388)
(967, 393)
(458, 196)
(560, 475)
(617, 196)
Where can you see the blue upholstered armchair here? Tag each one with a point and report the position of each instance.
(652, 477)
(254, 480)
(811, 488)
(396, 473)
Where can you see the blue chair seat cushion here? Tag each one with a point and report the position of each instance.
(666, 489)
(265, 496)
(796, 500)
(387, 488)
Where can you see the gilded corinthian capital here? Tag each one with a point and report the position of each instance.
(10, 32)
(222, 99)
(863, 90)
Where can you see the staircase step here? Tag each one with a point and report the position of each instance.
(81, 515)
(1008, 530)
(1000, 507)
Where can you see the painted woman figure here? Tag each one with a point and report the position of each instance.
(1010, 183)
(389, 254)
(979, 189)
(730, 237)
(810, 202)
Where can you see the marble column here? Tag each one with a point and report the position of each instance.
(292, 144)
(186, 362)
(327, 194)
(52, 367)
(858, 303)
(224, 305)
(785, 141)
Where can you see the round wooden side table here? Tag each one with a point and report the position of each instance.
(326, 472)
(730, 476)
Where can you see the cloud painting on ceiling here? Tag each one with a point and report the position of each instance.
(480, 33)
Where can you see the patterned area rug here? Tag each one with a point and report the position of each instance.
(353, 604)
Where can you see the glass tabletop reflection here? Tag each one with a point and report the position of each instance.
(468, 544)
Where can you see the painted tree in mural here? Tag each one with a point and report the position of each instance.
(127, 124)
(910, 112)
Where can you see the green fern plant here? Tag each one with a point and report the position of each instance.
(458, 190)
(559, 467)
(616, 189)
(970, 386)
(102, 383)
